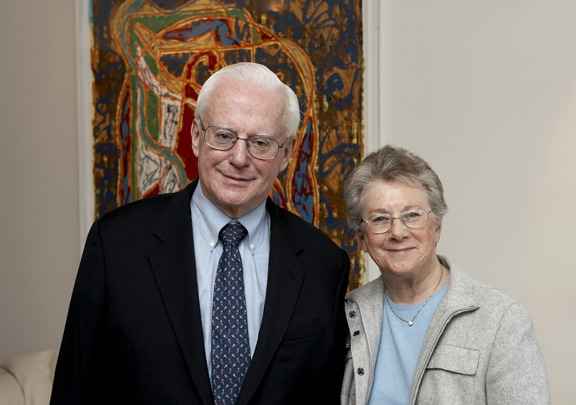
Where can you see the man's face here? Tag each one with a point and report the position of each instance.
(233, 180)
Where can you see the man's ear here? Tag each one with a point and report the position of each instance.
(195, 134)
(287, 152)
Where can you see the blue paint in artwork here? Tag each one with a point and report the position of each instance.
(349, 34)
(277, 198)
(334, 83)
(303, 197)
(341, 158)
(342, 155)
(238, 55)
(175, 63)
(288, 22)
(124, 129)
(136, 6)
(281, 64)
(242, 32)
(125, 135)
(126, 191)
(202, 28)
(169, 4)
(105, 148)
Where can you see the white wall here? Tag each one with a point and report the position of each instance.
(39, 234)
(486, 92)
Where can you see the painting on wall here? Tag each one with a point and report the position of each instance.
(149, 59)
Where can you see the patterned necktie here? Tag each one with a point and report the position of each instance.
(230, 354)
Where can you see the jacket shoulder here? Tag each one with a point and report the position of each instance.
(139, 217)
(482, 293)
(140, 211)
(370, 289)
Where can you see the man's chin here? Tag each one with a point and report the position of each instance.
(236, 205)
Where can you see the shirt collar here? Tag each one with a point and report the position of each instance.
(214, 219)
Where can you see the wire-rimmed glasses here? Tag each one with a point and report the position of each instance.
(259, 146)
(381, 222)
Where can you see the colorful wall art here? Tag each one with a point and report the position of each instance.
(151, 57)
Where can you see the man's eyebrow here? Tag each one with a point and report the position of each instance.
(262, 134)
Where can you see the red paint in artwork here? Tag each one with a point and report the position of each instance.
(153, 191)
(125, 150)
(184, 144)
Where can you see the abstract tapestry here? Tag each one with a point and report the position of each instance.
(150, 58)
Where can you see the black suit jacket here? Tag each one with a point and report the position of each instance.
(133, 333)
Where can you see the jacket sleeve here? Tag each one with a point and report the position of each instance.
(332, 393)
(78, 361)
(516, 372)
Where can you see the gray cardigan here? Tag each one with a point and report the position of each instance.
(480, 348)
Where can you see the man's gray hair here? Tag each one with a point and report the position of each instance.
(260, 76)
(392, 163)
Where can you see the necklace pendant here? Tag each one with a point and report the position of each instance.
(410, 323)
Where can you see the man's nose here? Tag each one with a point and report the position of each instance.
(240, 155)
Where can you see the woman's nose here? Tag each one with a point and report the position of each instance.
(398, 229)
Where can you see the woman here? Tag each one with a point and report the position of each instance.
(424, 333)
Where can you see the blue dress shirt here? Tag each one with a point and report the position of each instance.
(207, 220)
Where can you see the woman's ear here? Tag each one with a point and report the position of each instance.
(437, 231)
(360, 240)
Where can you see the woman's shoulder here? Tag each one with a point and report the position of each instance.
(464, 284)
(370, 290)
(494, 305)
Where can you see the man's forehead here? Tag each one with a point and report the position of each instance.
(229, 86)
(228, 105)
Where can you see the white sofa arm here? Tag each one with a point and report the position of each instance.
(10, 391)
(26, 379)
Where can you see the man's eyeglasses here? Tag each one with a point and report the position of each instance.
(259, 146)
(378, 223)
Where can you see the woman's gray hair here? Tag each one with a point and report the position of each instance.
(392, 163)
(260, 76)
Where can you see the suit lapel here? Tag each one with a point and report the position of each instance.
(174, 267)
(285, 278)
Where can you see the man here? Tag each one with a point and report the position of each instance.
(167, 310)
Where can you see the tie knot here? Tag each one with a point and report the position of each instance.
(232, 234)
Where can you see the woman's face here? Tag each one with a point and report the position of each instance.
(401, 250)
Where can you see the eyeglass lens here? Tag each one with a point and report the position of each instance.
(260, 147)
(413, 219)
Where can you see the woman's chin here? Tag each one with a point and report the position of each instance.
(405, 266)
